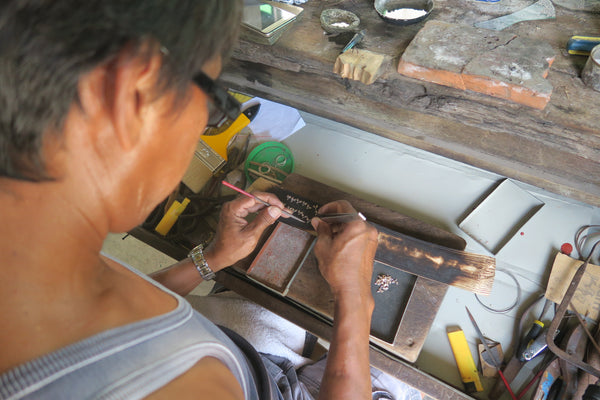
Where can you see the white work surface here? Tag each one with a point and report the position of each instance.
(442, 192)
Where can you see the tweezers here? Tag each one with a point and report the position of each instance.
(339, 218)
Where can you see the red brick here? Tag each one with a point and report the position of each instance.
(494, 63)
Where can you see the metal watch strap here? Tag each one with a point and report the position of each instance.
(199, 261)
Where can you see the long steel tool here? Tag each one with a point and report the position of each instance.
(543, 9)
(560, 313)
(491, 354)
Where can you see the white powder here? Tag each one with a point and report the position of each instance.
(404, 13)
(340, 24)
(513, 71)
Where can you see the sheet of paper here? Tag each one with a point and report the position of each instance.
(274, 121)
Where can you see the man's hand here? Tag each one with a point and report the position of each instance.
(345, 252)
(236, 238)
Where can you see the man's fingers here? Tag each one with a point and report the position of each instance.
(240, 207)
(339, 206)
(264, 218)
(321, 227)
(269, 198)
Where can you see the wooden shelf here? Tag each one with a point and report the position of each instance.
(557, 149)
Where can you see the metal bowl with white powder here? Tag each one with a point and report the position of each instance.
(403, 12)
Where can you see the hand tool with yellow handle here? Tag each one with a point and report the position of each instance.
(582, 45)
(219, 142)
(464, 361)
(171, 216)
(495, 361)
(211, 152)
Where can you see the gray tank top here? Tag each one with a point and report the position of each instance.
(129, 362)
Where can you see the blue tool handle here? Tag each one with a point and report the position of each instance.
(582, 45)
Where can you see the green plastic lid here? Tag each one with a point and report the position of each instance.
(269, 160)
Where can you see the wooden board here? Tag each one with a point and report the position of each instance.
(453, 267)
(382, 360)
(322, 194)
(556, 149)
(310, 289)
(458, 268)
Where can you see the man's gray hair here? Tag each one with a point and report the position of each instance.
(47, 45)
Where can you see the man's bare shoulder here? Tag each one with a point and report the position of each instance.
(208, 379)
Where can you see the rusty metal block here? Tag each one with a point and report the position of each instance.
(280, 258)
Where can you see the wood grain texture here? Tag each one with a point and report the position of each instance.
(310, 289)
(469, 271)
(557, 149)
(322, 193)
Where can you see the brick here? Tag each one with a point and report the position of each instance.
(494, 63)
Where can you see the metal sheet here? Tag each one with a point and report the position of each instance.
(389, 304)
(500, 215)
(281, 256)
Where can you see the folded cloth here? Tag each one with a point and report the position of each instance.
(272, 335)
(266, 331)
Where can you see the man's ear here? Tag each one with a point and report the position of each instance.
(134, 89)
(120, 93)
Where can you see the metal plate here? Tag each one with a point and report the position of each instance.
(390, 304)
(281, 256)
(500, 215)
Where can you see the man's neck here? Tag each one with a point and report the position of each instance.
(45, 235)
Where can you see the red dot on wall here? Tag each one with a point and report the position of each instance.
(566, 248)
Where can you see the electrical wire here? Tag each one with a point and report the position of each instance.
(513, 305)
(580, 239)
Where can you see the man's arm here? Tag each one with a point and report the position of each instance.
(345, 253)
(235, 239)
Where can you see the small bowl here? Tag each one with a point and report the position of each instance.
(413, 11)
(335, 20)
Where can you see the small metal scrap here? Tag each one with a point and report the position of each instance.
(356, 39)
(384, 282)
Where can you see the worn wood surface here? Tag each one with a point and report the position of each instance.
(557, 149)
(311, 290)
(321, 193)
(467, 271)
(278, 260)
(384, 361)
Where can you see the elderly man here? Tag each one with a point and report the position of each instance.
(102, 103)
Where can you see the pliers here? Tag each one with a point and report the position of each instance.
(530, 346)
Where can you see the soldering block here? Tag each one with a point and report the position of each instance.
(361, 65)
(494, 63)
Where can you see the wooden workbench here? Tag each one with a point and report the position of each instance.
(308, 303)
(557, 149)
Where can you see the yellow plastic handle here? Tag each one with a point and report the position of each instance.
(220, 142)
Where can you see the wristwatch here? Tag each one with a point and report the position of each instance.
(199, 261)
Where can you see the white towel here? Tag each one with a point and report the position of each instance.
(266, 331)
